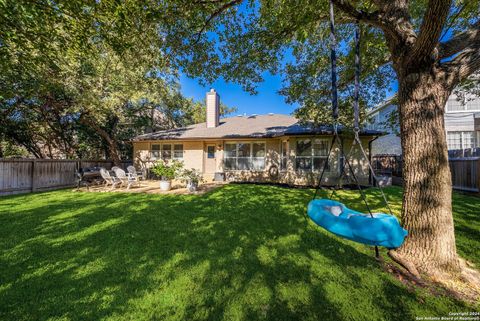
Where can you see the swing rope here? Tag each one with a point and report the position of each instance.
(356, 126)
(333, 59)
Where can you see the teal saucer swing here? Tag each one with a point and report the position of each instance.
(379, 229)
(376, 229)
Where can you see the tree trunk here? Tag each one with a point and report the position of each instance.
(427, 211)
(112, 144)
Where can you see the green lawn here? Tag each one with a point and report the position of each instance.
(242, 252)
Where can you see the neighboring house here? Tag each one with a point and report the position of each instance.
(379, 118)
(462, 125)
(258, 148)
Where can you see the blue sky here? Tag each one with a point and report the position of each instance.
(266, 101)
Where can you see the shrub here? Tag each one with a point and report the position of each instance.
(191, 175)
(167, 170)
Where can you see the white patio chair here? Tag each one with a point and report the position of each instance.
(109, 180)
(132, 171)
(126, 179)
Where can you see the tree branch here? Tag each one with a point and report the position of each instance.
(430, 30)
(460, 41)
(217, 12)
(385, 18)
(207, 1)
(360, 15)
(453, 19)
(463, 65)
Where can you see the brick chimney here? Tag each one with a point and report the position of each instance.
(213, 109)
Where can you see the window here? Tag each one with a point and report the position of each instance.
(230, 156)
(166, 151)
(258, 156)
(304, 154)
(311, 154)
(468, 140)
(156, 151)
(454, 140)
(461, 140)
(178, 151)
(284, 156)
(245, 156)
(211, 151)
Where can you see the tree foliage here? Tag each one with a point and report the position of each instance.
(240, 40)
(80, 79)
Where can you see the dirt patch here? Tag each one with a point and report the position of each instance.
(454, 287)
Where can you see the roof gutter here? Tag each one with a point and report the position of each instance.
(242, 137)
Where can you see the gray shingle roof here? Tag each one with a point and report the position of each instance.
(255, 126)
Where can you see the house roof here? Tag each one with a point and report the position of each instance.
(254, 126)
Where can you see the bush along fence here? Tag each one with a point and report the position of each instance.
(465, 170)
(30, 175)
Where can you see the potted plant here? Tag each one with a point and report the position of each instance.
(191, 177)
(166, 171)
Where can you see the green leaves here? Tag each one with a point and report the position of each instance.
(99, 60)
(167, 170)
(286, 37)
(242, 43)
(101, 56)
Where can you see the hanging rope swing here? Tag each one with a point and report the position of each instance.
(377, 229)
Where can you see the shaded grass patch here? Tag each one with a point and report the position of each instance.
(242, 252)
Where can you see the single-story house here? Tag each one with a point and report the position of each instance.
(255, 148)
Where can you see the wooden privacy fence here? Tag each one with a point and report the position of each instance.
(465, 170)
(465, 173)
(387, 165)
(29, 175)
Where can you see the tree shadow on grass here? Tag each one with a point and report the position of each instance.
(242, 252)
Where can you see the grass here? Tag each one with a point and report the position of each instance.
(242, 252)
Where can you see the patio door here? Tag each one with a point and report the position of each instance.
(210, 159)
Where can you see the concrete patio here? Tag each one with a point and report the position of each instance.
(152, 187)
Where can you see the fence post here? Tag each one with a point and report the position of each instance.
(478, 176)
(33, 176)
